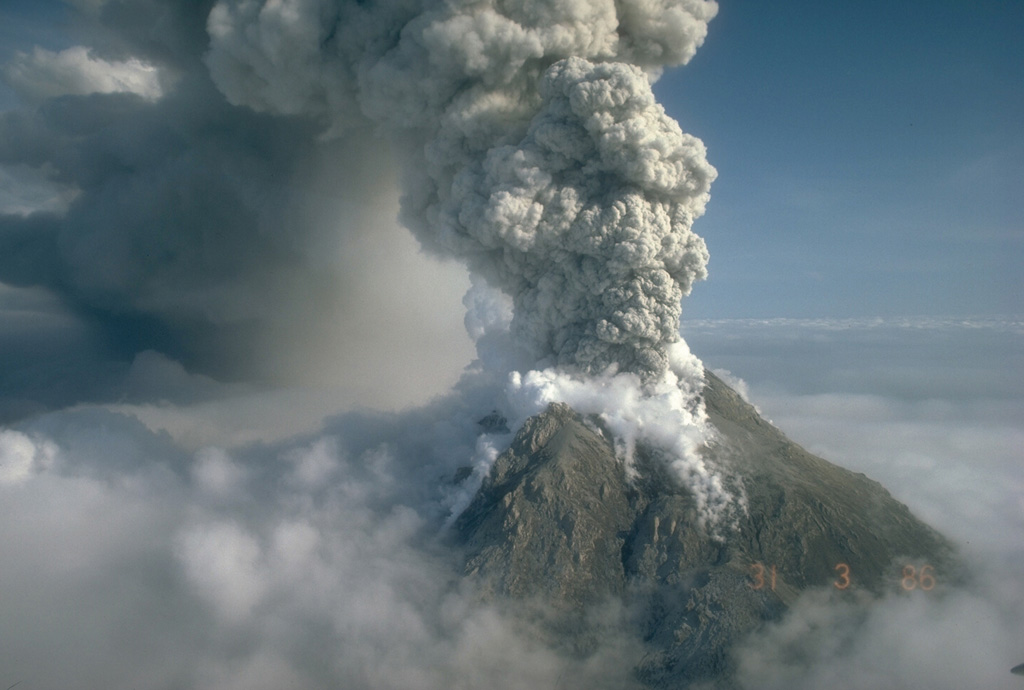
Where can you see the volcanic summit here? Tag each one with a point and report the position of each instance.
(561, 526)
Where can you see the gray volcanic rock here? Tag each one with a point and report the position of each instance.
(557, 521)
(549, 518)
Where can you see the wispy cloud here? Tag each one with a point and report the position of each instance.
(44, 74)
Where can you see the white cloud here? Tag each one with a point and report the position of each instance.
(146, 566)
(665, 414)
(919, 642)
(21, 456)
(44, 74)
(214, 471)
(223, 561)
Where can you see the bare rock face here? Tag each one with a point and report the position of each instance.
(549, 517)
(558, 522)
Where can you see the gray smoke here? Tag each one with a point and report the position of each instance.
(140, 215)
(534, 149)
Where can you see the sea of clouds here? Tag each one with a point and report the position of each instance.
(133, 559)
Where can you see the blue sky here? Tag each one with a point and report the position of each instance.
(870, 157)
(27, 24)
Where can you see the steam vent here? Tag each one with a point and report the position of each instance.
(560, 528)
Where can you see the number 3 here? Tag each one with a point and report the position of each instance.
(844, 576)
(759, 576)
(909, 581)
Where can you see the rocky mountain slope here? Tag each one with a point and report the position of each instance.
(558, 524)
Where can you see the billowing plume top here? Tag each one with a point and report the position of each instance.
(410, 60)
(535, 149)
(586, 220)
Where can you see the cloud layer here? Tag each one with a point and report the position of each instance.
(132, 560)
(315, 563)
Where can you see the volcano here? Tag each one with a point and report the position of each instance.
(562, 526)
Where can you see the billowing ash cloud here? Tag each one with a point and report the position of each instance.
(201, 180)
(142, 210)
(208, 221)
(535, 150)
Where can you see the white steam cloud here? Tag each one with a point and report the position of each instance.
(666, 416)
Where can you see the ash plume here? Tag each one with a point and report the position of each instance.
(534, 148)
(528, 142)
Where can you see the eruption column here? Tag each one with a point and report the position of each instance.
(535, 150)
